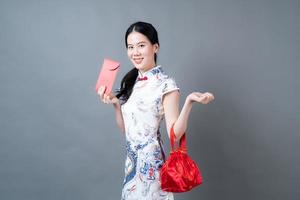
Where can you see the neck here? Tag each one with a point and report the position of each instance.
(142, 71)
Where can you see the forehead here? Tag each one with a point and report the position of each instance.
(136, 37)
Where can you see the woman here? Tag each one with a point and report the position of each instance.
(147, 95)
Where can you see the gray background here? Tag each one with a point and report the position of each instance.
(58, 141)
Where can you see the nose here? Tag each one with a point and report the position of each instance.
(136, 51)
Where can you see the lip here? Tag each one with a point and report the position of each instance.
(137, 60)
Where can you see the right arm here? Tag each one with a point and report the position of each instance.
(111, 99)
(119, 116)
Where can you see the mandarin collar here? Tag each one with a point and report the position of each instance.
(151, 72)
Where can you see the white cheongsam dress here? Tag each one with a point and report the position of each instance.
(142, 114)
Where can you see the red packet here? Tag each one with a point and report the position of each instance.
(107, 75)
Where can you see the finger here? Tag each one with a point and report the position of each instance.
(211, 95)
(100, 89)
(205, 100)
(107, 98)
(209, 98)
(201, 99)
(198, 94)
(114, 100)
(102, 92)
(102, 97)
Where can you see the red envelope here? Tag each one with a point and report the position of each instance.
(107, 75)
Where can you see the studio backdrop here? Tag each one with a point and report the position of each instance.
(58, 141)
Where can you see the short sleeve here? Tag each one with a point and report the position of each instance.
(169, 85)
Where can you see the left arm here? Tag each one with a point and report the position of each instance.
(171, 108)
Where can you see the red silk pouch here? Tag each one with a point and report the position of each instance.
(179, 173)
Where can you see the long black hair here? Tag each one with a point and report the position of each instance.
(129, 79)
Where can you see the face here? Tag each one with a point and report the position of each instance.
(140, 51)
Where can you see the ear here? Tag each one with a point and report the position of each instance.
(156, 48)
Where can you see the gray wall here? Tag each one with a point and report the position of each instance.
(58, 141)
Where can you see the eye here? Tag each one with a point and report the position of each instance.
(130, 47)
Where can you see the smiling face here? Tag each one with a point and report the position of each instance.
(141, 51)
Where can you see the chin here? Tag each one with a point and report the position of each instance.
(138, 66)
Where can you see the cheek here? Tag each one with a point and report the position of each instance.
(150, 53)
(147, 52)
(128, 54)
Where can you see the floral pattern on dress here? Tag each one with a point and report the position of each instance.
(142, 114)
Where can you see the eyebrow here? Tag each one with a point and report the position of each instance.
(138, 43)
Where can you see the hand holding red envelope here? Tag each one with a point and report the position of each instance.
(107, 75)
